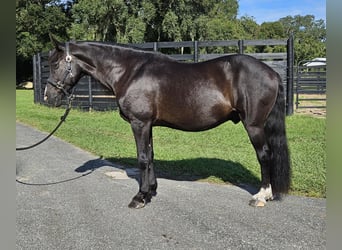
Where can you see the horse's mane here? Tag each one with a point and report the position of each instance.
(114, 44)
(126, 46)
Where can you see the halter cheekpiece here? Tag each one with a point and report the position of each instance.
(68, 56)
(68, 72)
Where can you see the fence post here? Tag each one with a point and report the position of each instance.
(289, 82)
(35, 87)
(90, 94)
(195, 51)
(241, 49)
(155, 46)
(39, 82)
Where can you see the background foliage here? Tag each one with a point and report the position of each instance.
(134, 21)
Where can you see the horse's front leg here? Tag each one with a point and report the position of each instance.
(143, 137)
(151, 174)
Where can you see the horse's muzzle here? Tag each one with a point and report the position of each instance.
(52, 97)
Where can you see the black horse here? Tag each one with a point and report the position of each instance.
(152, 89)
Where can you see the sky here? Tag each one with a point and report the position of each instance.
(273, 10)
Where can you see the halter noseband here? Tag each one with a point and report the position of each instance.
(68, 71)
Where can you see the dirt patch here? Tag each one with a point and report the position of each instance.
(311, 111)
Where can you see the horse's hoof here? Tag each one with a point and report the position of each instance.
(137, 203)
(257, 202)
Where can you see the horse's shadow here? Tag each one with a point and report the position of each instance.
(227, 171)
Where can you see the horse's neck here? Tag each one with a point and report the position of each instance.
(105, 67)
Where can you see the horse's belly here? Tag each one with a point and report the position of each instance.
(196, 116)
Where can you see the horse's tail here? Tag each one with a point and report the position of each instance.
(280, 172)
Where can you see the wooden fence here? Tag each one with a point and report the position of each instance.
(90, 94)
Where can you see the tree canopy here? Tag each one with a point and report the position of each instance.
(136, 21)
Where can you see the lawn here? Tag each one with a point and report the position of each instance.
(220, 155)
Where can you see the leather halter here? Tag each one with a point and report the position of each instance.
(68, 72)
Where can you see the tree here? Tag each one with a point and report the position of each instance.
(149, 20)
(34, 20)
(309, 36)
(137, 21)
(100, 20)
(249, 29)
(272, 30)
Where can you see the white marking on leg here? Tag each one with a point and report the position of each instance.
(45, 96)
(264, 194)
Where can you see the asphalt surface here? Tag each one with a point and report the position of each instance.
(70, 199)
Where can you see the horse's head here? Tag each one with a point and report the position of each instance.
(64, 73)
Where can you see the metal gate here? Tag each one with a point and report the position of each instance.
(311, 84)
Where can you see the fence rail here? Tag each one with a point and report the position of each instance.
(90, 94)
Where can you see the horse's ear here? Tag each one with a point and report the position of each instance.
(58, 45)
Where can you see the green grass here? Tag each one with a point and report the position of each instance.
(220, 155)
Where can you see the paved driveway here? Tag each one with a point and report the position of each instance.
(70, 199)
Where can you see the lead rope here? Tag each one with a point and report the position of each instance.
(62, 119)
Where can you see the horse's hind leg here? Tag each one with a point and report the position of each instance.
(143, 137)
(258, 139)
